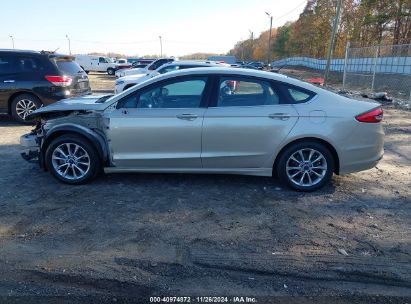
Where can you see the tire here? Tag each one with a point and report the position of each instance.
(309, 173)
(22, 105)
(110, 71)
(73, 169)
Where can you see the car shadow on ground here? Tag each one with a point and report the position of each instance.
(8, 120)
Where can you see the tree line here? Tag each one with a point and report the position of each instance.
(362, 22)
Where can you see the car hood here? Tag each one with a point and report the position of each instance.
(85, 103)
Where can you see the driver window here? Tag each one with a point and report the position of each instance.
(180, 94)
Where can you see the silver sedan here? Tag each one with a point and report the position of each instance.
(210, 120)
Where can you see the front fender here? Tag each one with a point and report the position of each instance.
(95, 137)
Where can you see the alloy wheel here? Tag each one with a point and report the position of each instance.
(71, 161)
(25, 107)
(306, 167)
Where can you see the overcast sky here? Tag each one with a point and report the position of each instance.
(132, 27)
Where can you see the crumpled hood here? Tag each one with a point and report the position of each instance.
(84, 103)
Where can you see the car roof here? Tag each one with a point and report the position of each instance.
(20, 51)
(31, 52)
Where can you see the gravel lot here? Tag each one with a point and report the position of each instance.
(124, 238)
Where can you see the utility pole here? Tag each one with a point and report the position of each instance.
(12, 40)
(161, 46)
(269, 38)
(69, 43)
(332, 40)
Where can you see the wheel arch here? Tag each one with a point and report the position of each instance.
(94, 137)
(329, 146)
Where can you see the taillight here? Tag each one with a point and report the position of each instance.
(61, 81)
(372, 116)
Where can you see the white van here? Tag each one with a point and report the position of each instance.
(96, 64)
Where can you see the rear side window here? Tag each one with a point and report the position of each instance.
(68, 66)
(28, 65)
(245, 92)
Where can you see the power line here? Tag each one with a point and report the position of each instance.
(298, 6)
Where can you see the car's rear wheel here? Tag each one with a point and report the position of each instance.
(305, 166)
(23, 105)
(72, 159)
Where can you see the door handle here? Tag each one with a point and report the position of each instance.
(187, 116)
(8, 81)
(280, 116)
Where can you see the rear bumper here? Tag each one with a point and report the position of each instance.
(361, 165)
(365, 149)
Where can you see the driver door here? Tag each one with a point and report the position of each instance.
(159, 127)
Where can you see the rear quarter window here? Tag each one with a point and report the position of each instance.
(296, 94)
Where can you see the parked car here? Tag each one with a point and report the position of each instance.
(126, 82)
(122, 64)
(142, 61)
(29, 80)
(96, 64)
(139, 66)
(257, 64)
(223, 59)
(148, 69)
(196, 121)
(249, 66)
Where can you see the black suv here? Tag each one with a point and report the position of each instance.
(30, 79)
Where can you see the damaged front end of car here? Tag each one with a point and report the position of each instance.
(53, 121)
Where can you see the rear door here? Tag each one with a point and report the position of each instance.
(7, 79)
(159, 126)
(245, 124)
(68, 67)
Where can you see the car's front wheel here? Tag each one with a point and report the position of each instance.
(305, 166)
(111, 71)
(72, 159)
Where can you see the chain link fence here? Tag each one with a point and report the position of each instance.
(380, 68)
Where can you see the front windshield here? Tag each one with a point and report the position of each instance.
(109, 60)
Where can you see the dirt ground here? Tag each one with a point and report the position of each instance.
(125, 238)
